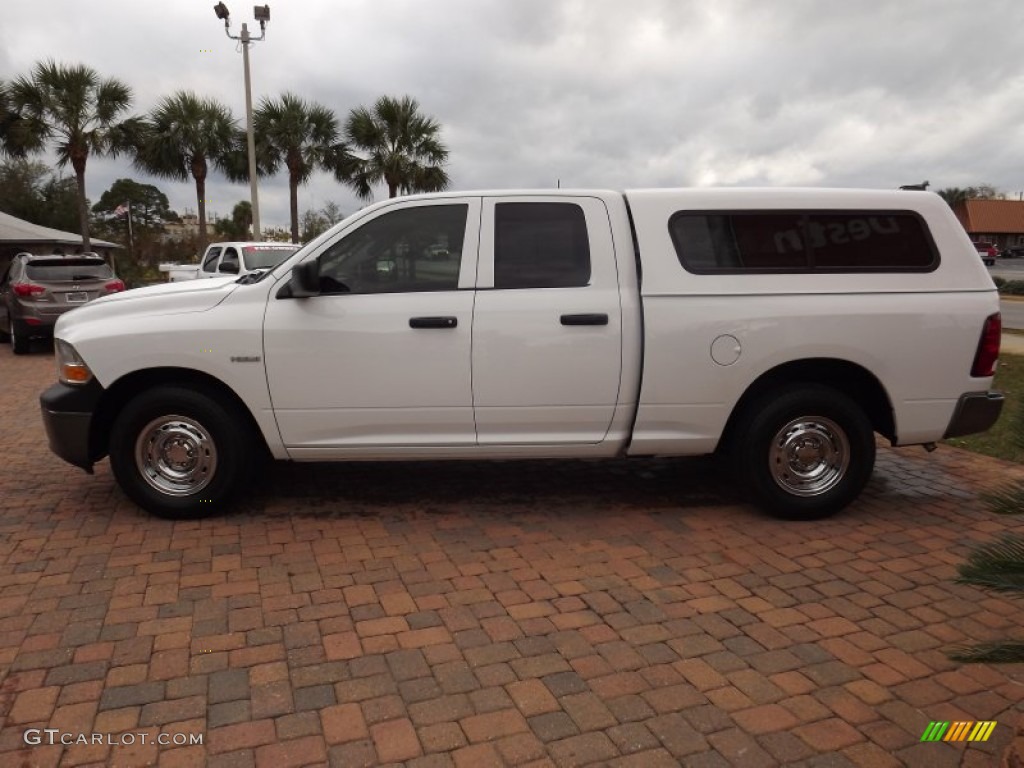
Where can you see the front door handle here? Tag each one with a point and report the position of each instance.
(433, 322)
(586, 319)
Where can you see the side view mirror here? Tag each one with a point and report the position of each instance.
(228, 269)
(305, 280)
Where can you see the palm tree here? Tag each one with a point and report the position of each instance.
(182, 137)
(957, 195)
(402, 147)
(303, 136)
(73, 107)
(10, 122)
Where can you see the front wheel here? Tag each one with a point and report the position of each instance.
(180, 453)
(805, 453)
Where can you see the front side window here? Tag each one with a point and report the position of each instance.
(833, 241)
(230, 261)
(408, 250)
(540, 245)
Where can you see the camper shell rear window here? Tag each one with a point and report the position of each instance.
(734, 242)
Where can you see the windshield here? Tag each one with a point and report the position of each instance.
(67, 270)
(266, 256)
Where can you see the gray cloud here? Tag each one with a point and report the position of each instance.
(597, 92)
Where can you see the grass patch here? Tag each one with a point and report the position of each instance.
(998, 441)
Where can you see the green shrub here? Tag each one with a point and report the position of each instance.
(1012, 288)
(999, 281)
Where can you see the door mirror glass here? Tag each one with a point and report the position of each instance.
(229, 267)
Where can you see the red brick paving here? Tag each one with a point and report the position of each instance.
(474, 614)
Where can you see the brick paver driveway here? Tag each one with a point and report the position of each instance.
(545, 613)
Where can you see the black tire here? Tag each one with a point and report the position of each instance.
(19, 339)
(804, 452)
(209, 439)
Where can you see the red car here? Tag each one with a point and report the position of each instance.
(987, 251)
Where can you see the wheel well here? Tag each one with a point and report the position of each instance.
(856, 382)
(124, 389)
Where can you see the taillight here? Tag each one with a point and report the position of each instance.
(27, 290)
(114, 286)
(988, 348)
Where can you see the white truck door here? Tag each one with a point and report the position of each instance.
(547, 327)
(380, 361)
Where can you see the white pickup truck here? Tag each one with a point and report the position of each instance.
(223, 259)
(781, 329)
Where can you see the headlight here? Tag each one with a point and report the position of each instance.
(71, 368)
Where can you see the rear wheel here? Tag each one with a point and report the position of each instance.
(180, 453)
(19, 339)
(806, 452)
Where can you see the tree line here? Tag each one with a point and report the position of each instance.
(70, 108)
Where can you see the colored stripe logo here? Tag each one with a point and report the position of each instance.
(959, 731)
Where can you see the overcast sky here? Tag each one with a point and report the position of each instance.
(594, 93)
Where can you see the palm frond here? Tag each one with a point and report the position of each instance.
(1008, 500)
(401, 146)
(1009, 652)
(998, 566)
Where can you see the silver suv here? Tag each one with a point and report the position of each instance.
(36, 290)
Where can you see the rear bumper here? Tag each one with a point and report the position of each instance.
(67, 416)
(975, 412)
(34, 326)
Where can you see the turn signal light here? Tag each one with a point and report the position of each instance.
(71, 368)
(75, 373)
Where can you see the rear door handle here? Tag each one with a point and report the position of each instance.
(591, 319)
(433, 322)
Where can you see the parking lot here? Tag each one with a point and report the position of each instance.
(476, 614)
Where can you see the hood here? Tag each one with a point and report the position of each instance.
(162, 299)
(206, 286)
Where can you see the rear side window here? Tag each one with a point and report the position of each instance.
(67, 270)
(211, 260)
(540, 245)
(794, 241)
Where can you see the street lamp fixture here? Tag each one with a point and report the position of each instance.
(262, 14)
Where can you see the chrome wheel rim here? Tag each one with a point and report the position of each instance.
(176, 455)
(809, 456)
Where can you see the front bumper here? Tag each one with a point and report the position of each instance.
(975, 412)
(67, 416)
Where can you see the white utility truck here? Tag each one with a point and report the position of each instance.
(223, 259)
(781, 329)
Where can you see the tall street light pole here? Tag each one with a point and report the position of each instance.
(262, 14)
